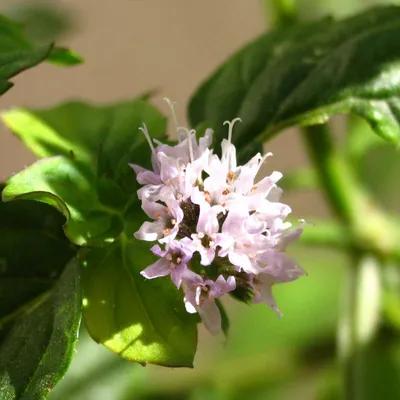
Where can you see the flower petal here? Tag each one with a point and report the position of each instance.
(159, 268)
(210, 316)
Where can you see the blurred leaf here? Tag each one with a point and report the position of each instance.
(360, 139)
(33, 252)
(377, 164)
(305, 74)
(309, 306)
(142, 321)
(43, 21)
(38, 349)
(309, 10)
(17, 52)
(301, 179)
(64, 57)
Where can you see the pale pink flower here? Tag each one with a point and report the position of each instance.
(207, 205)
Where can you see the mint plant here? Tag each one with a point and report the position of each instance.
(76, 225)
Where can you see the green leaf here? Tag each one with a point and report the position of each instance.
(64, 57)
(38, 349)
(89, 179)
(224, 317)
(26, 275)
(43, 21)
(305, 74)
(60, 182)
(103, 137)
(18, 52)
(142, 321)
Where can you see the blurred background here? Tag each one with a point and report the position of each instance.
(170, 46)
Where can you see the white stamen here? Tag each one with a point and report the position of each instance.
(200, 235)
(168, 257)
(190, 133)
(231, 124)
(263, 160)
(171, 105)
(148, 138)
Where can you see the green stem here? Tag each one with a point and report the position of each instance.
(370, 229)
(360, 309)
(358, 322)
(334, 175)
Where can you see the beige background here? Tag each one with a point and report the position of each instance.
(131, 46)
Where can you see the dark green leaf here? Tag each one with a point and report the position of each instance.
(38, 349)
(33, 252)
(142, 321)
(305, 74)
(224, 317)
(18, 52)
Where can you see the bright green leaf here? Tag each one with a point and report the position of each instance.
(142, 321)
(60, 182)
(64, 57)
(37, 351)
(305, 74)
(105, 138)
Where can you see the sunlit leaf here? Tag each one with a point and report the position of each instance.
(142, 321)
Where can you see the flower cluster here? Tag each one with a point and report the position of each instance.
(218, 231)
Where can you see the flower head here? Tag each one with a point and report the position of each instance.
(203, 204)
